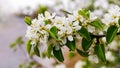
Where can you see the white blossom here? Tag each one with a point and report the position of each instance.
(70, 38)
(49, 16)
(109, 56)
(103, 67)
(60, 66)
(112, 16)
(104, 3)
(93, 58)
(97, 13)
(114, 45)
(37, 29)
(80, 64)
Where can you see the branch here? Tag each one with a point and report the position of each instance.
(99, 36)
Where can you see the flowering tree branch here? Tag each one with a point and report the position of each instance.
(52, 27)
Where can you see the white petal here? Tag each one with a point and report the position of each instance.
(60, 66)
(47, 14)
(70, 38)
(64, 41)
(78, 27)
(76, 23)
(48, 26)
(69, 30)
(80, 64)
(93, 58)
(109, 56)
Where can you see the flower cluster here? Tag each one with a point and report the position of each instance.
(67, 27)
(84, 25)
(37, 30)
(113, 15)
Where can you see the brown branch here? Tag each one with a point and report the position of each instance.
(99, 36)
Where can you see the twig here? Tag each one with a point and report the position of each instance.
(99, 36)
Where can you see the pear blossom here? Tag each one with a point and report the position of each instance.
(93, 58)
(49, 16)
(67, 27)
(104, 3)
(103, 67)
(80, 64)
(37, 29)
(109, 56)
(112, 16)
(60, 66)
(70, 38)
(114, 45)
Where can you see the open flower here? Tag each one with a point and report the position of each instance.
(93, 58)
(112, 16)
(80, 64)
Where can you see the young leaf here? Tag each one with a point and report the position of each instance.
(28, 46)
(119, 21)
(27, 20)
(85, 13)
(86, 44)
(13, 45)
(48, 21)
(36, 51)
(97, 24)
(71, 54)
(49, 50)
(19, 40)
(84, 54)
(111, 32)
(42, 9)
(58, 54)
(71, 45)
(100, 51)
(53, 32)
(83, 32)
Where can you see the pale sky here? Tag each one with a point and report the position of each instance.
(14, 5)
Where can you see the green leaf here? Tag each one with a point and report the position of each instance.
(53, 32)
(42, 9)
(27, 20)
(119, 21)
(71, 45)
(100, 51)
(85, 13)
(71, 54)
(47, 21)
(83, 32)
(19, 40)
(97, 24)
(49, 50)
(13, 45)
(84, 54)
(86, 44)
(111, 32)
(36, 51)
(58, 54)
(28, 46)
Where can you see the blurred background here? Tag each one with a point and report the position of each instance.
(12, 26)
